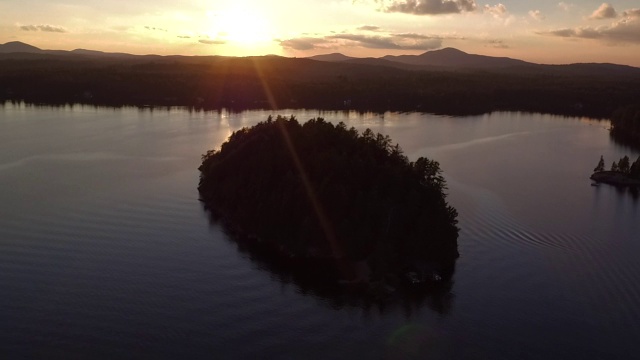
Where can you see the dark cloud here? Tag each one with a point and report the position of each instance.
(559, 32)
(45, 28)
(371, 42)
(304, 43)
(212, 42)
(625, 30)
(369, 28)
(498, 44)
(155, 29)
(392, 42)
(431, 7)
(605, 11)
(585, 33)
(184, 36)
(380, 40)
(414, 36)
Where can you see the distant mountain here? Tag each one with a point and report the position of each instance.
(450, 57)
(99, 53)
(18, 47)
(88, 52)
(334, 57)
(443, 58)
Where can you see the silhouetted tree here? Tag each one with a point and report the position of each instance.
(623, 165)
(600, 166)
(634, 171)
(614, 167)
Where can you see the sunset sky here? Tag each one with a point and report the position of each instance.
(543, 31)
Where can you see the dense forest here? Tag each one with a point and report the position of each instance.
(318, 190)
(625, 124)
(273, 82)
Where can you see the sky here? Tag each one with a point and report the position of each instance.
(544, 31)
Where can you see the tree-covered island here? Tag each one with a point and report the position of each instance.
(319, 192)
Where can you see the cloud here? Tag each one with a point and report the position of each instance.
(497, 11)
(431, 7)
(212, 42)
(184, 36)
(631, 13)
(585, 32)
(498, 44)
(120, 28)
(605, 11)
(536, 15)
(565, 6)
(45, 28)
(392, 42)
(155, 28)
(400, 41)
(369, 28)
(625, 30)
(304, 43)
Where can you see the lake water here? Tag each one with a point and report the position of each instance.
(105, 251)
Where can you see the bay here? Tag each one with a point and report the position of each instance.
(106, 252)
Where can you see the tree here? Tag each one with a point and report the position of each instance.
(623, 165)
(614, 167)
(600, 166)
(634, 172)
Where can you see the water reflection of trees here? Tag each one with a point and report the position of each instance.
(317, 278)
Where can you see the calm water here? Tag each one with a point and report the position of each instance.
(106, 252)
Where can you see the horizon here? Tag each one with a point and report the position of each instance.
(543, 33)
(293, 57)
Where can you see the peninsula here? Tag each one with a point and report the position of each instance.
(622, 173)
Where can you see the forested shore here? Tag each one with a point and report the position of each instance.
(272, 82)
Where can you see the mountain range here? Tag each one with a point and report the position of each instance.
(447, 57)
(442, 59)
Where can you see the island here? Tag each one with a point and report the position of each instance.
(332, 203)
(621, 174)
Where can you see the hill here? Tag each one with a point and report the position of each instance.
(450, 57)
(18, 47)
(331, 57)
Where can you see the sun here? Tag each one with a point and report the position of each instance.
(241, 26)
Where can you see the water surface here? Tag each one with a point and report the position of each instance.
(106, 252)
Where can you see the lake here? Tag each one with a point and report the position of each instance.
(106, 252)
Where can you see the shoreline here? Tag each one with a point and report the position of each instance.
(614, 178)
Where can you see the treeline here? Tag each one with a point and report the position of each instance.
(625, 125)
(623, 166)
(279, 83)
(319, 190)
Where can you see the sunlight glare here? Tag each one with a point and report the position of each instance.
(244, 26)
